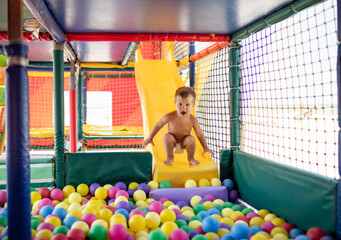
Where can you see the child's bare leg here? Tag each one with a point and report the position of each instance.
(189, 143)
(169, 142)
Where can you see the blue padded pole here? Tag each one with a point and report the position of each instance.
(338, 68)
(191, 51)
(18, 142)
(85, 82)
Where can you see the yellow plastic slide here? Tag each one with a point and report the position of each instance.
(157, 81)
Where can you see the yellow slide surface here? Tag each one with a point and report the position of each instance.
(157, 81)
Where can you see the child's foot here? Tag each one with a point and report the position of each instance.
(169, 161)
(193, 161)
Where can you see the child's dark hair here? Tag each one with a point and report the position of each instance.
(184, 92)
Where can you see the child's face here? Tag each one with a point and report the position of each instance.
(184, 106)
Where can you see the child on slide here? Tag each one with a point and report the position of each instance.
(180, 124)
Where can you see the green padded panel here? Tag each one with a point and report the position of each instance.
(108, 167)
(226, 165)
(300, 197)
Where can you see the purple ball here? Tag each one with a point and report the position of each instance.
(192, 233)
(121, 185)
(182, 217)
(132, 207)
(144, 187)
(111, 201)
(122, 204)
(131, 192)
(204, 200)
(181, 204)
(224, 225)
(93, 187)
(233, 195)
(327, 238)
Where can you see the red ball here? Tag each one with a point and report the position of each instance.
(59, 236)
(200, 230)
(75, 234)
(288, 226)
(315, 233)
(110, 208)
(243, 218)
(44, 192)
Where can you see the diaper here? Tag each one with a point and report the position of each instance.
(178, 148)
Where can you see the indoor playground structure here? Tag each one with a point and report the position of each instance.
(82, 83)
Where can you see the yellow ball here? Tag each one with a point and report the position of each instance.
(263, 212)
(105, 214)
(83, 189)
(67, 190)
(236, 214)
(208, 205)
(168, 203)
(142, 233)
(120, 198)
(153, 185)
(133, 185)
(35, 205)
(101, 203)
(152, 220)
(118, 221)
(190, 183)
(195, 200)
(174, 207)
(118, 216)
(100, 222)
(44, 233)
(75, 198)
(77, 214)
(35, 196)
(188, 214)
(186, 208)
(280, 236)
(101, 193)
(141, 203)
(137, 223)
(228, 221)
(204, 183)
(107, 186)
(215, 182)
(167, 215)
(90, 210)
(168, 227)
(256, 221)
(218, 202)
(55, 221)
(277, 230)
(278, 222)
(139, 195)
(269, 217)
(62, 205)
(194, 224)
(211, 235)
(216, 216)
(82, 226)
(41, 218)
(259, 237)
(226, 212)
(55, 202)
(149, 200)
(222, 231)
(94, 204)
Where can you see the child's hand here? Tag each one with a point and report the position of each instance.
(209, 151)
(146, 142)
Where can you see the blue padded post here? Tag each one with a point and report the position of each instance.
(191, 50)
(18, 142)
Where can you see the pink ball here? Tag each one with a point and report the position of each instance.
(59, 236)
(57, 194)
(129, 237)
(45, 202)
(251, 215)
(44, 192)
(3, 197)
(75, 234)
(136, 211)
(122, 193)
(178, 234)
(315, 233)
(110, 208)
(117, 232)
(210, 196)
(47, 226)
(162, 200)
(89, 218)
(177, 211)
(112, 191)
(85, 201)
(267, 227)
(156, 206)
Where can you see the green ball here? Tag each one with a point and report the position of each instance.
(61, 229)
(3, 221)
(237, 208)
(35, 223)
(165, 184)
(195, 218)
(187, 229)
(199, 237)
(33, 189)
(97, 232)
(198, 208)
(219, 207)
(247, 210)
(131, 201)
(156, 235)
(143, 209)
(180, 223)
(228, 205)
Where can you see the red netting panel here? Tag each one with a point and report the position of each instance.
(150, 50)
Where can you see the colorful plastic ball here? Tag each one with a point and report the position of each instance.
(75, 197)
(35, 196)
(327, 238)
(168, 227)
(167, 215)
(45, 202)
(45, 210)
(193, 233)
(117, 232)
(57, 194)
(255, 229)
(122, 204)
(69, 220)
(267, 227)
(215, 182)
(3, 197)
(137, 223)
(315, 233)
(203, 214)
(122, 193)
(165, 184)
(256, 221)
(233, 195)
(121, 185)
(136, 211)
(123, 212)
(112, 191)
(263, 212)
(278, 230)
(59, 236)
(75, 234)
(182, 217)
(93, 187)
(144, 187)
(195, 200)
(44, 192)
(228, 183)
(178, 234)
(302, 237)
(82, 189)
(100, 222)
(139, 195)
(190, 183)
(35, 222)
(204, 183)
(295, 232)
(199, 237)
(45, 234)
(157, 235)
(101, 193)
(153, 185)
(181, 204)
(82, 226)
(152, 220)
(60, 212)
(131, 192)
(89, 218)
(288, 226)
(67, 190)
(61, 230)
(55, 221)
(212, 211)
(133, 185)
(240, 230)
(210, 224)
(97, 232)
(44, 225)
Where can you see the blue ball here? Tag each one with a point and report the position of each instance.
(227, 236)
(295, 232)
(46, 210)
(224, 225)
(255, 229)
(203, 214)
(302, 237)
(213, 211)
(228, 183)
(3, 213)
(210, 224)
(69, 220)
(124, 212)
(61, 212)
(240, 230)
